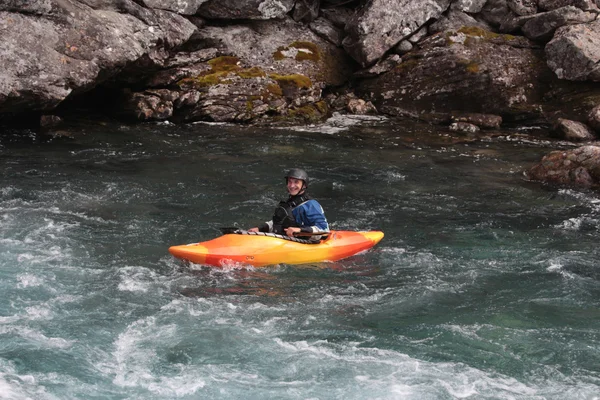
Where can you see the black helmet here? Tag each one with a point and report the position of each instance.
(298, 174)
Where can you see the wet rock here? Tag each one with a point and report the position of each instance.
(360, 107)
(488, 121)
(151, 105)
(464, 127)
(246, 9)
(573, 130)
(579, 167)
(381, 24)
(594, 118)
(50, 121)
(574, 52)
(495, 12)
(542, 26)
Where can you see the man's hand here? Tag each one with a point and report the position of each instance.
(290, 231)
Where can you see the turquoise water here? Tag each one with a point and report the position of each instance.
(485, 286)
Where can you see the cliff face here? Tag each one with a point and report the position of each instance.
(246, 60)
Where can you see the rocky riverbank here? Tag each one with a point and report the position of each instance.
(467, 64)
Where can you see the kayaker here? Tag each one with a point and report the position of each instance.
(299, 213)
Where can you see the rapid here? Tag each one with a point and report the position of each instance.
(485, 286)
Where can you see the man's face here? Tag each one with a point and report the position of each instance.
(294, 186)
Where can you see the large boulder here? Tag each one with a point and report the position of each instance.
(542, 26)
(260, 67)
(50, 52)
(578, 167)
(574, 52)
(470, 70)
(382, 24)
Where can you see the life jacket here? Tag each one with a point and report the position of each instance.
(283, 216)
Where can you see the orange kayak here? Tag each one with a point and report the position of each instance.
(262, 249)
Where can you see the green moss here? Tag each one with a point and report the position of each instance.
(297, 80)
(307, 51)
(220, 69)
(308, 113)
(224, 63)
(253, 72)
(482, 33)
(274, 89)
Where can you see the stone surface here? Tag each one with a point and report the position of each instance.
(542, 26)
(573, 130)
(381, 24)
(574, 52)
(579, 167)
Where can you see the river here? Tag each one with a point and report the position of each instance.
(485, 286)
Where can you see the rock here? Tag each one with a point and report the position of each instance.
(523, 7)
(382, 66)
(381, 24)
(488, 121)
(339, 16)
(327, 30)
(495, 12)
(306, 10)
(149, 105)
(455, 20)
(585, 5)
(403, 47)
(275, 67)
(542, 26)
(188, 7)
(573, 130)
(464, 127)
(468, 6)
(50, 121)
(246, 9)
(44, 60)
(574, 52)
(360, 107)
(594, 118)
(579, 167)
(468, 70)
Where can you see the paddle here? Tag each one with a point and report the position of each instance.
(234, 229)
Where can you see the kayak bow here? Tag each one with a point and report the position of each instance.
(262, 249)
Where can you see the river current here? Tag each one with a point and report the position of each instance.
(485, 286)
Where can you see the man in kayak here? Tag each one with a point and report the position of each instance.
(299, 213)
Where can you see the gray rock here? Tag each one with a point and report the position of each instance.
(574, 52)
(573, 130)
(585, 5)
(339, 16)
(44, 60)
(594, 118)
(306, 10)
(523, 7)
(468, 6)
(542, 26)
(39, 7)
(403, 47)
(495, 12)
(578, 167)
(327, 30)
(246, 9)
(382, 24)
(455, 20)
(187, 7)
(382, 66)
(469, 70)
